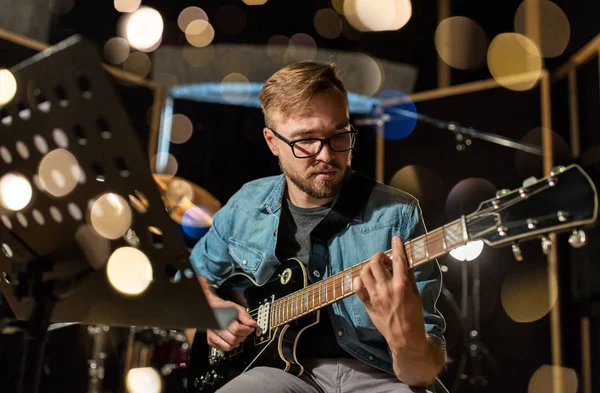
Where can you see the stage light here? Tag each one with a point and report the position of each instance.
(468, 252)
(144, 380)
(15, 191)
(110, 215)
(129, 271)
(8, 86)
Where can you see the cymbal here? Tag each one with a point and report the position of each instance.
(188, 204)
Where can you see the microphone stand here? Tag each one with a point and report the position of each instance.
(463, 135)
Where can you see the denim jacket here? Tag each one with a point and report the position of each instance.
(243, 237)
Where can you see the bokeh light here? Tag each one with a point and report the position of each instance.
(167, 81)
(110, 215)
(179, 192)
(165, 163)
(116, 50)
(188, 15)
(143, 28)
(230, 19)
(514, 61)
(127, 5)
(403, 115)
(181, 128)
(423, 183)
(549, 378)
(129, 271)
(528, 164)
(328, 23)
(254, 2)
(338, 6)
(238, 95)
(196, 222)
(59, 172)
(554, 29)
(365, 77)
(198, 57)
(383, 15)
(468, 252)
(199, 33)
(526, 293)
(461, 42)
(234, 62)
(466, 196)
(15, 191)
(8, 86)
(301, 47)
(138, 64)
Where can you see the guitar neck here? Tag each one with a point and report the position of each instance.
(339, 286)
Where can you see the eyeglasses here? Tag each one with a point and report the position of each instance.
(310, 147)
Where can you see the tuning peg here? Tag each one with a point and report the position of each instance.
(529, 181)
(517, 252)
(501, 193)
(578, 239)
(546, 245)
(557, 170)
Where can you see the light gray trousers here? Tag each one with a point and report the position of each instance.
(342, 375)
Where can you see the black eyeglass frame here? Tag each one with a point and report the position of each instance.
(353, 131)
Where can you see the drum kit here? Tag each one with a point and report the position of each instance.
(149, 359)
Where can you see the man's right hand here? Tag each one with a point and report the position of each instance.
(236, 332)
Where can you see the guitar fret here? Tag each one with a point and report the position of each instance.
(304, 302)
(348, 279)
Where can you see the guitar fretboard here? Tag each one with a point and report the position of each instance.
(419, 250)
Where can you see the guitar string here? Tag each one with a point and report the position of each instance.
(294, 297)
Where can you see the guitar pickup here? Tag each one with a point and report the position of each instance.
(263, 331)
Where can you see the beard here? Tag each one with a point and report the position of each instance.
(313, 187)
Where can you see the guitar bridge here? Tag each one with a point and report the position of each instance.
(263, 330)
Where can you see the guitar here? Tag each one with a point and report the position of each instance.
(286, 305)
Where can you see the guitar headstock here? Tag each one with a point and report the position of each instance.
(565, 200)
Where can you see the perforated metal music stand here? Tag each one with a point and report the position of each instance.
(46, 275)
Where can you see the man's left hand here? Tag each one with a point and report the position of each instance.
(392, 299)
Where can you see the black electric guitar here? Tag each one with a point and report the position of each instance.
(285, 306)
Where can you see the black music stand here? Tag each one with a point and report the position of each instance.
(46, 273)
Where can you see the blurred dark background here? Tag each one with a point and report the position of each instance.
(227, 149)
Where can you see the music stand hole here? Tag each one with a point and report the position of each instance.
(61, 94)
(98, 172)
(5, 154)
(139, 201)
(5, 118)
(40, 144)
(122, 167)
(6, 222)
(173, 273)
(22, 219)
(24, 110)
(75, 211)
(42, 102)
(38, 216)
(56, 214)
(22, 149)
(103, 127)
(6, 278)
(79, 134)
(60, 138)
(156, 237)
(7, 251)
(84, 85)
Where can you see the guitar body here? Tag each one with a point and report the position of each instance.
(210, 369)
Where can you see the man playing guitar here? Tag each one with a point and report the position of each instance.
(387, 338)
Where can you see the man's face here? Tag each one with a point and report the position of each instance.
(320, 176)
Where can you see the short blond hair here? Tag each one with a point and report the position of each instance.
(289, 89)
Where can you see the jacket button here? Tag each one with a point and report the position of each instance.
(371, 357)
(340, 333)
(244, 262)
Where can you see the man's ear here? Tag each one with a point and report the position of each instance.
(270, 138)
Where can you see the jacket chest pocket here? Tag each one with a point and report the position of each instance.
(248, 258)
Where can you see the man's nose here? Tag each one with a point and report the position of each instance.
(326, 154)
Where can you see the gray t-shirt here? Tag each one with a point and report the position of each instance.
(295, 226)
(293, 241)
